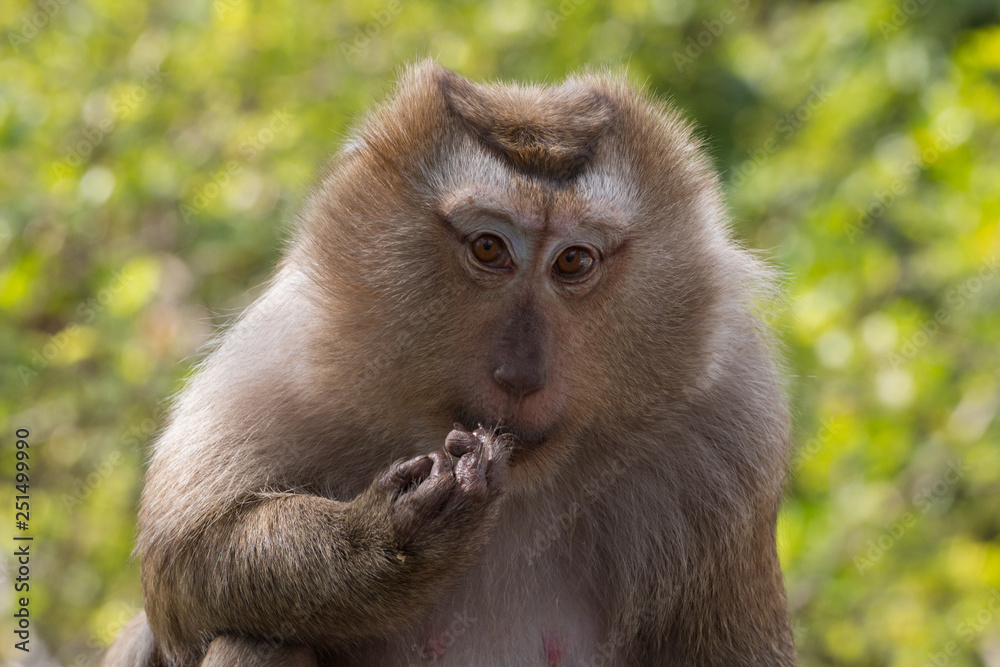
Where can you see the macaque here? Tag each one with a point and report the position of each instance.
(506, 401)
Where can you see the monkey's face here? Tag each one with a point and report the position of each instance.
(540, 261)
(529, 261)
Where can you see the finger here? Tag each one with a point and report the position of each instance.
(460, 442)
(442, 464)
(469, 472)
(407, 473)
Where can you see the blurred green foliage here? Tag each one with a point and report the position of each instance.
(153, 152)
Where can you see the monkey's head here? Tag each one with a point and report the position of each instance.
(527, 258)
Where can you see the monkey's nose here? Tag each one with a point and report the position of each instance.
(519, 381)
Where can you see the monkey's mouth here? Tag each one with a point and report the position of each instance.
(521, 438)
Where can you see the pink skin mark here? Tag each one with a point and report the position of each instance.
(436, 644)
(555, 648)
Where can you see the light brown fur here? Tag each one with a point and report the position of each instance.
(635, 521)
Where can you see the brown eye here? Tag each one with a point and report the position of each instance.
(489, 249)
(574, 262)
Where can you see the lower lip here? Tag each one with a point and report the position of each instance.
(517, 441)
(520, 443)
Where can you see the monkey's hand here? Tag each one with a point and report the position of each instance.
(308, 570)
(442, 504)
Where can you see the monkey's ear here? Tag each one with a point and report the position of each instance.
(547, 133)
(409, 123)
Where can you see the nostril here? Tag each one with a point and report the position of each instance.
(518, 381)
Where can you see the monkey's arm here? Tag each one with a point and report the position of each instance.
(301, 569)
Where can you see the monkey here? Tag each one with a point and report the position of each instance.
(508, 399)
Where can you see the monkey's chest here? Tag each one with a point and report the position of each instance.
(549, 626)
